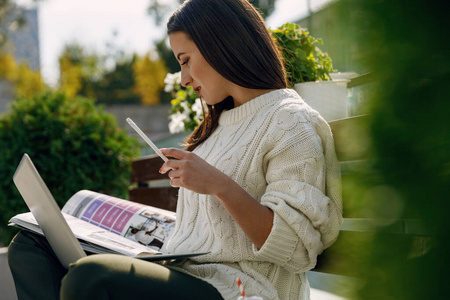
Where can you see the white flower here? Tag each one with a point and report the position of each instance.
(168, 88)
(176, 123)
(197, 108)
(184, 116)
(171, 80)
(186, 109)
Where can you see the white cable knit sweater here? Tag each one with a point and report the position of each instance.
(282, 153)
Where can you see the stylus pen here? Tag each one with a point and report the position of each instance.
(149, 142)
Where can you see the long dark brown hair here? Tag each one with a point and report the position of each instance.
(233, 38)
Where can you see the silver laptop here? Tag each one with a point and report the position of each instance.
(47, 213)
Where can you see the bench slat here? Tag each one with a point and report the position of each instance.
(146, 169)
(350, 138)
(160, 197)
(411, 227)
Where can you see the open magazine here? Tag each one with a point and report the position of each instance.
(106, 224)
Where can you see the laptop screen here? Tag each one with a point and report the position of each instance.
(46, 212)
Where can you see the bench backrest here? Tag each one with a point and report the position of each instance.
(363, 191)
(150, 187)
(353, 152)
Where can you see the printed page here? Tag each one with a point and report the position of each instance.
(149, 226)
(93, 238)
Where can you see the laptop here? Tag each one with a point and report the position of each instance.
(50, 219)
(47, 212)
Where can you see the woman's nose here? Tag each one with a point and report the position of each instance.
(186, 79)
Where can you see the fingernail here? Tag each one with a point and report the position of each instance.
(160, 170)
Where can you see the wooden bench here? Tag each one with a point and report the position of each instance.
(347, 257)
(150, 187)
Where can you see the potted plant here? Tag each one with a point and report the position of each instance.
(308, 71)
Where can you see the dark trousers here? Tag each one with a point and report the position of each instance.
(39, 275)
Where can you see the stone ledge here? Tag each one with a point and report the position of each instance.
(7, 289)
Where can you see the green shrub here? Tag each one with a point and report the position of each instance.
(74, 145)
(303, 59)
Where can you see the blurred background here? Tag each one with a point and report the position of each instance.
(105, 50)
(71, 72)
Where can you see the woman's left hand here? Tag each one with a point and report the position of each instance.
(190, 171)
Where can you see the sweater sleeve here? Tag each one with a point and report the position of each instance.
(305, 219)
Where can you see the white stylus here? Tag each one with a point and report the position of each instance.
(149, 142)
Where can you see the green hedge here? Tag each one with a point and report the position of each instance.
(74, 145)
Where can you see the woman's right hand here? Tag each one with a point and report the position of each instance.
(190, 171)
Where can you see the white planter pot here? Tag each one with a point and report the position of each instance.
(329, 98)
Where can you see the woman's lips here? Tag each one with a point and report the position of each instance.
(198, 91)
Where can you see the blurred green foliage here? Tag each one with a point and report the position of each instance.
(113, 78)
(166, 54)
(404, 44)
(74, 145)
(115, 86)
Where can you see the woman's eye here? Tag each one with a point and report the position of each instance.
(185, 62)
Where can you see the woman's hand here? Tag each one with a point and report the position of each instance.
(190, 171)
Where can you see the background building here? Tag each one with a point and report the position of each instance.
(23, 43)
(334, 24)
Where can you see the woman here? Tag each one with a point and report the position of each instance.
(259, 179)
